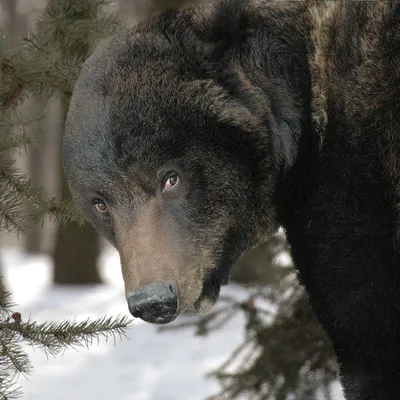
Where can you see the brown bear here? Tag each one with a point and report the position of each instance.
(196, 134)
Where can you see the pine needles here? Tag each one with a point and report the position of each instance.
(45, 63)
(53, 338)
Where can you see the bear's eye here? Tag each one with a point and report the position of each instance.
(171, 181)
(100, 206)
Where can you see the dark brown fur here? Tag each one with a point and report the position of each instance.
(274, 113)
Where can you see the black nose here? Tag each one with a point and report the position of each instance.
(156, 303)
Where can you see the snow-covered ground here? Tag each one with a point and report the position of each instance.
(148, 365)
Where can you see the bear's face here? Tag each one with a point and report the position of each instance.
(167, 167)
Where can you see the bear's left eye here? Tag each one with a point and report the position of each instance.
(171, 181)
(100, 206)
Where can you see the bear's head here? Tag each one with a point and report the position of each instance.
(168, 152)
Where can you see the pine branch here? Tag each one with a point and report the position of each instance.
(11, 219)
(12, 82)
(46, 63)
(59, 210)
(18, 192)
(5, 302)
(16, 127)
(55, 337)
(12, 358)
(18, 142)
(8, 391)
(66, 33)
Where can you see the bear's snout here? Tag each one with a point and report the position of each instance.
(156, 303)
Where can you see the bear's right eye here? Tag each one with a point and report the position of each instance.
(100, 206)
(171, 182)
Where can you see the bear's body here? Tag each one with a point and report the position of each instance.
(202, 130)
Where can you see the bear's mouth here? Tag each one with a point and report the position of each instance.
(204, 304)
(210, 293)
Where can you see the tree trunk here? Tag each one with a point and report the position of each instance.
(36, 158)
(9, 8)
(75, 256)
(76, 248)
(76, 252)
(43, 162)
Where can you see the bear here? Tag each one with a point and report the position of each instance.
(196, 134)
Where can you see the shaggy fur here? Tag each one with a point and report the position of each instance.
(271, 113)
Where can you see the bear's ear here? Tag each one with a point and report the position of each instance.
(214, 99)
(250, 110)
(250, 101)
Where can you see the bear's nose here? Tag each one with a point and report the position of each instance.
(156, 303)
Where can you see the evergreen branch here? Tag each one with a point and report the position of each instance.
(45, 63)
(75, 26)
(31, 39)
(19, 142)
(18, 192)
(16, 120)
(14, 94)
(5, 301)
(11, 219)
(63, 211)
(13, 359)
(20, 186)
(8, 391)
(15, 129)
(53, 338)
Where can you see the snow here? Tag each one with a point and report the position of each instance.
(147, 365)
